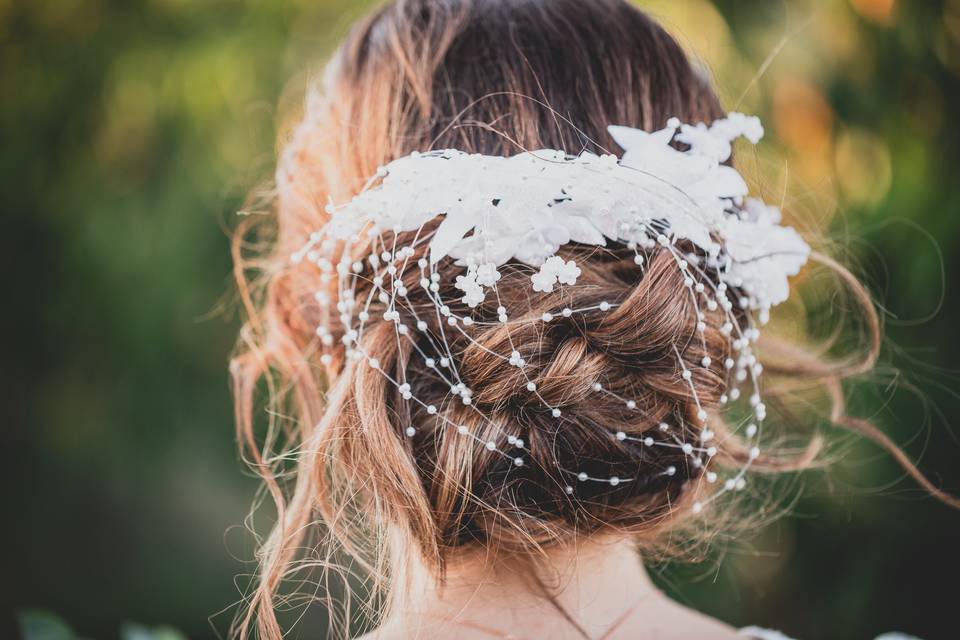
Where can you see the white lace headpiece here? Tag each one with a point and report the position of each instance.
(523, 209)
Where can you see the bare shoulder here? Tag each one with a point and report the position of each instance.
(424, 630)
(661, 622)
(691, 623)
(706, 628)
(382, 633)
(668, 620)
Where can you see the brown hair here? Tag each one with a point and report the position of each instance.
(493, 77)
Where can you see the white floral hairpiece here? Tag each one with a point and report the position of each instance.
(523, 209)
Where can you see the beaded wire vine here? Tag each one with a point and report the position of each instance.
(366, 248)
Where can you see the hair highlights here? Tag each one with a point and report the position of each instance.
(495, 78)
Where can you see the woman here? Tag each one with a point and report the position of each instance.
(515, 362)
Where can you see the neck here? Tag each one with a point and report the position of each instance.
(588, 585)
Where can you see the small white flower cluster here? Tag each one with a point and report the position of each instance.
(473, 282)
(522, 209)
(555, 270)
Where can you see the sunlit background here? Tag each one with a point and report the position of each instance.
(132, 131)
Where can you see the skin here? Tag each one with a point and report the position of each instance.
(595, 582)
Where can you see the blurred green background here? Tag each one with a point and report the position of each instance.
(132, 131)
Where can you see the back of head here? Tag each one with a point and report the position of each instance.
(559, 446)
(485, 76)
(497, 78)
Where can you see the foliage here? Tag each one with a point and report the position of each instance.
(37, 624)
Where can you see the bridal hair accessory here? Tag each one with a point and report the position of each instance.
(670, 191)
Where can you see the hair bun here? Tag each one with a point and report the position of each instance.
(593, 389)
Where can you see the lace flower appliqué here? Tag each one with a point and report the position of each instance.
(525, 207)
